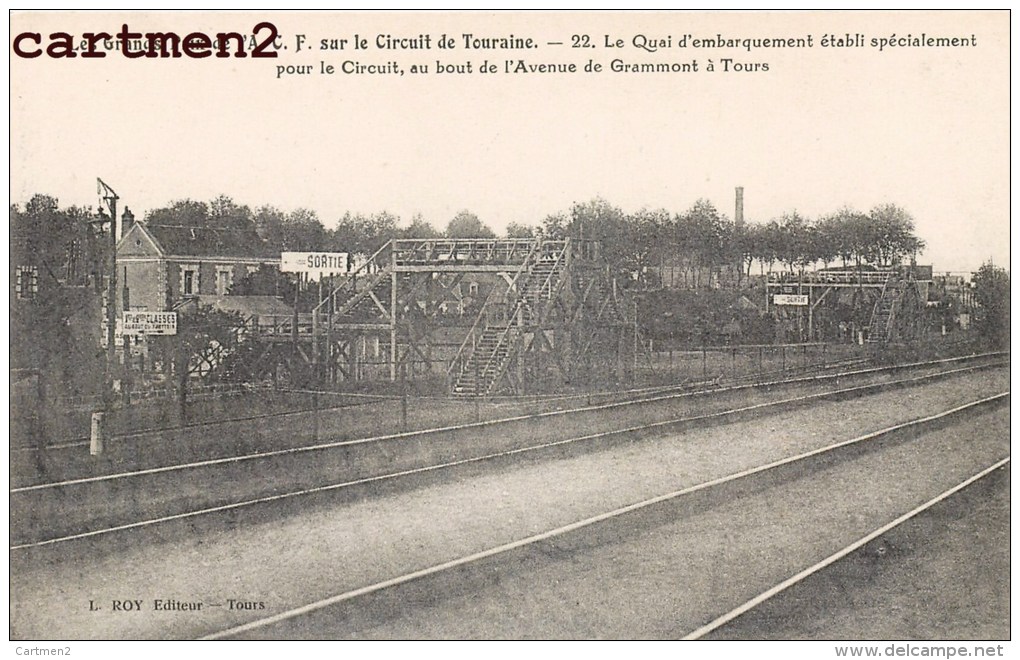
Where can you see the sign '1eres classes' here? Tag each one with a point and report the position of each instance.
(149, 323)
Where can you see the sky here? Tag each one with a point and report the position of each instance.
(822, 128)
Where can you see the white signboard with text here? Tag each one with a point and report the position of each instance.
(788, 299)
(316, 264)
(149, 323)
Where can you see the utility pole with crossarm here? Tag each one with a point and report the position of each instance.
(109, 199)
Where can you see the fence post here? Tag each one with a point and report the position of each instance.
(182, 394)
(403, 396)
(672, 371)
(704, 362)
(98, 433)
(38, 410)
(478, 389)
(315, 412)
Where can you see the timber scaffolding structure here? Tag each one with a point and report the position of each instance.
(893, 298)
(553, 310)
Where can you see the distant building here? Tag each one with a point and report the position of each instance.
(162, 266)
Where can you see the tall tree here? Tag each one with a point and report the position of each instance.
(891, 234)
(841, 232)
(224, 212)
(303, 231)
(55, 253)
(519, 230)
(180, 213)
(555, 226)
(467, 225)
(300, 230)
(795, 248)
(752, 245)
(61, 242)
(991, 291)
(360, 234)
(704, 234)
(420, 228)
(269, 223)
(647, 232)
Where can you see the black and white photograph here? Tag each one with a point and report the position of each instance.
(510, 325)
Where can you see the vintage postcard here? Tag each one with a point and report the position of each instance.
(511, 325)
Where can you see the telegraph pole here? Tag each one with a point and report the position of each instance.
(109, 198)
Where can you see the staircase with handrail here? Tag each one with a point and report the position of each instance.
(495, 339)
(883, 316)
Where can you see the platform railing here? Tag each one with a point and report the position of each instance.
(870, 277)
(426, 251)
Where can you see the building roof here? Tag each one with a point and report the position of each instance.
(190, 241)
(248, 305)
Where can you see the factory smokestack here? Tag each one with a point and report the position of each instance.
(738, 223)
(738, 216)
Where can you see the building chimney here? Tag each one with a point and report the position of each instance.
(127, 220)
(738, 216)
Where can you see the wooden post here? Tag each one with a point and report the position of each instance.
(315, 347)
(98, 433)
(478, 393)
(182, 396)
(111, 302)
(98, 418)
(403, 396)
(297, 288)
(672, 371)
(316, 362)
(315, 413)
(393, 313)
(800, 310)
(811, 316)
(330, 369)
(39, 414)
(634, 371)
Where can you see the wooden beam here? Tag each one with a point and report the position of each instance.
(441, 267)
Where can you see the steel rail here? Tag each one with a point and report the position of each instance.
(590, 521)
(714, 416)
(726, 618)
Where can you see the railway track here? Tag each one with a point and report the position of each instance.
(195, 490)
(488, 562)
(720, 622)
(155, 450)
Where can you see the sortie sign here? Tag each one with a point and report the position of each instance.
(788, 299)
(314, 263)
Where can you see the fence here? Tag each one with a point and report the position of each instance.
(742, 362)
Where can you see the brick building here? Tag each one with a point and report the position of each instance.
(162, 266)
